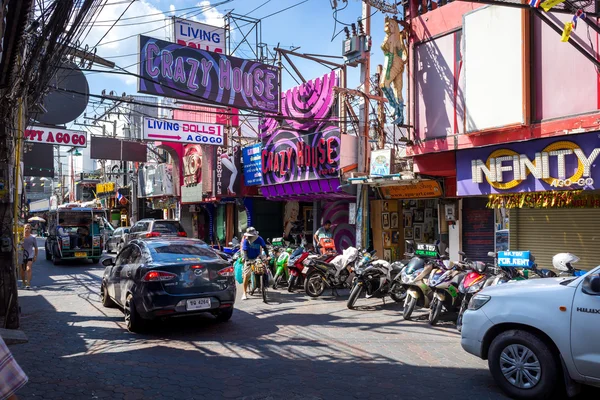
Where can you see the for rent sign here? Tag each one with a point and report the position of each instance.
(182, 131)
(56, 136)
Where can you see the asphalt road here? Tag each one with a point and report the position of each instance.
(292, 348)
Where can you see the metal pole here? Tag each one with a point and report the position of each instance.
(362, 222)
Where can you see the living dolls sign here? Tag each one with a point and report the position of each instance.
(172, 70)
(288, 156)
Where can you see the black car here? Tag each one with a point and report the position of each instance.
(156, 278)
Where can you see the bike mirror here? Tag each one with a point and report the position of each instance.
(492, 254)
(462, 253)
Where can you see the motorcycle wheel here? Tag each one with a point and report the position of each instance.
(435, 311)
(263, 289)
(314, 285)
(397, 292)
(276, 281)
(354, 295)
(463, 307)
(409, 307)
(292, 283)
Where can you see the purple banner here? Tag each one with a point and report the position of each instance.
(171, 70)
(565, 163)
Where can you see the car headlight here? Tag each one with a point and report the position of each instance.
(478, 301)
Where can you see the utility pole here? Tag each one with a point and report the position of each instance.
(362, 200)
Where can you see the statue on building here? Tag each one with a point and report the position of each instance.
(395, 50)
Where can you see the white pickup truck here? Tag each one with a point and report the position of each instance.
(539, 336)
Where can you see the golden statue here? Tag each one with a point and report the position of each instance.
(395, 50)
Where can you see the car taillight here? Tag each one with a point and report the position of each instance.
(182, 234)
(155, 276)
(226, 271)
(197, 266)
(152, 234)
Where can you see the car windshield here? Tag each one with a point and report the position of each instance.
(182, 253)
(167, 227)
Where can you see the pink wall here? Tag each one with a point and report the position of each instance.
(436, 87)
(566, 83)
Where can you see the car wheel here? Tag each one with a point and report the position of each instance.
(133, 321)
(523, 365)
(225, 315)
(106, 300)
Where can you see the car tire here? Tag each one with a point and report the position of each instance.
(106, 300)
(133, 321)
(224, 315)
(511, 344)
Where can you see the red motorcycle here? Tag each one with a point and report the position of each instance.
(298, 265)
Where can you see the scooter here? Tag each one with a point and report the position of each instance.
(282, 273)
(418, 293)
(334, 274)
(444, 283)
(473, 282)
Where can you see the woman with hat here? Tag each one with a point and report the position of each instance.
(251, 246)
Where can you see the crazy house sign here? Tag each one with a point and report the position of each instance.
(172, 70)
(307, 144)
(568, 163)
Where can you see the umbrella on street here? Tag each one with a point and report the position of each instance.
(36, 219)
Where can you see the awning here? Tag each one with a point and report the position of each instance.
(314, 190)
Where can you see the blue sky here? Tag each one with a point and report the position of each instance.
(309, 25)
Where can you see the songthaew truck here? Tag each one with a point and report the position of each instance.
(76, 232)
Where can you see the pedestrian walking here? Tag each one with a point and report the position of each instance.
(30, 253)
(12, 377)
(252, 244)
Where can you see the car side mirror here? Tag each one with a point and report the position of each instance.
(591, 285)
(107, 262)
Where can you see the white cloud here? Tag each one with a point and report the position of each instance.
(121, 43)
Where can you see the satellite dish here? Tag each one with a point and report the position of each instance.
(67, 98)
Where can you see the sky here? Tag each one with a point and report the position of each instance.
(309, 26)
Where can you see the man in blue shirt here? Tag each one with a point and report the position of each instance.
(251, 247)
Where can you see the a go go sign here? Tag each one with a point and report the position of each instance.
(56, 136)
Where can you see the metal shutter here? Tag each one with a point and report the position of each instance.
(546, 232)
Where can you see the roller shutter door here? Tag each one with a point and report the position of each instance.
(546, 232)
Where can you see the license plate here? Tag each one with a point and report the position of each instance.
(198, 304)
(304, 270)
(80, 254)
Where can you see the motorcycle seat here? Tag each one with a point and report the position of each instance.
(326, 264)
(397, 267)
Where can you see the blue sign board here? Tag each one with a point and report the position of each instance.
(519, 259)
(251, 157)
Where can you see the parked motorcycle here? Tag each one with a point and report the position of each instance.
(444, 282)
(282, 273)
(473, 282)
(333, 275)
(413, 278)
(298, 265)
(377, 278)
(563, 263)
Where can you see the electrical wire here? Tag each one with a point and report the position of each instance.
(162, 27)
(113, 25)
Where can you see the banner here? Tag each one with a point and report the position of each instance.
(181, 72)
(565, 163)
(251, 156)
(228, 180)
(199, 36)
(56, 136)
(183, 131)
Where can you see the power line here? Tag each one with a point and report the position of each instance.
(113, 25)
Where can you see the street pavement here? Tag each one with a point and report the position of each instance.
(292, 348)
